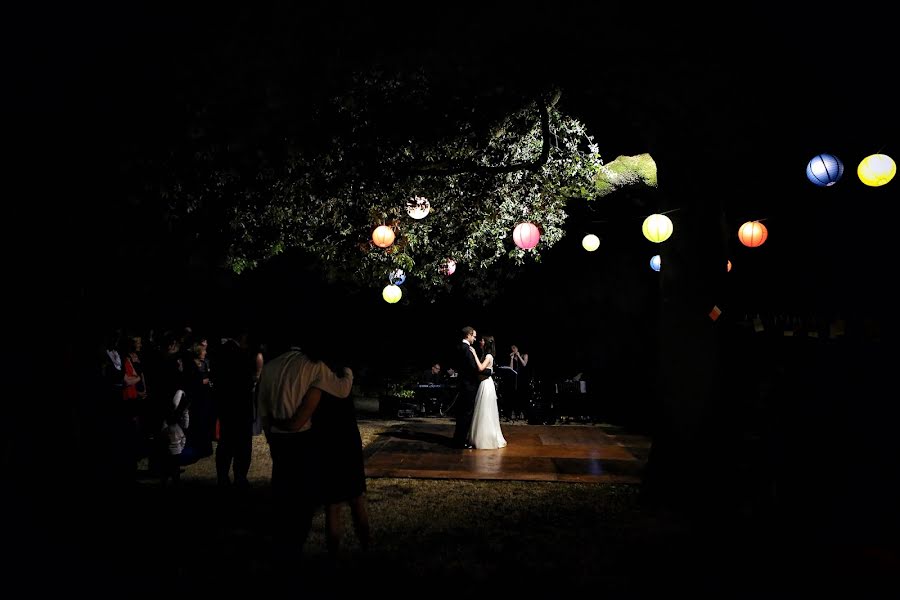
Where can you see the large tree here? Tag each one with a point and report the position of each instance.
(356, 159)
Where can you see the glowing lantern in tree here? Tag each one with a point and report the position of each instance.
(383, 236)
(448, 267)
(656, 263)
(526, 236)
(397, 277)
(876, 170)
(391, 294)
(590, 242)
(753, 234)
(824, 169)
(418, 207)
(657, 228)
(728, 267)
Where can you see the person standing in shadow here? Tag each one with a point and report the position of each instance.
(343, 468)
(469, 380)
(518, 364)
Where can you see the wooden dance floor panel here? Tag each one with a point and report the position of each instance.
(535, 453)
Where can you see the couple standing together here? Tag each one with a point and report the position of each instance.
(478, 420)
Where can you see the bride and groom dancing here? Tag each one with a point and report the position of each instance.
(478, 419)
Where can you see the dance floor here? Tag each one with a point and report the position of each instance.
(588, 453)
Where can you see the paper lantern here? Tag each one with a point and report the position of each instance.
(397, 277)
(391, 294)
(383, 236)
(656, 263)
(657, 228)
(753, 234)
(448, 267)
(418, 207)
(728, 267)
(876, 170)
(590, 242)
(526, 236)
(824, 169)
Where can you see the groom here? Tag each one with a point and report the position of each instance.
(468, 388)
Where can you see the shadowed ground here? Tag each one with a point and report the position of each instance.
(431, 536)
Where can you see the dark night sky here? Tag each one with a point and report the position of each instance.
(752, 99)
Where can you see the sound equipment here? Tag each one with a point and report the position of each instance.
(432, 398)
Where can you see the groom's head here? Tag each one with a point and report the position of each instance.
(468, 334)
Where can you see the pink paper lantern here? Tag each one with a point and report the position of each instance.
(448, 267)
(526, 235)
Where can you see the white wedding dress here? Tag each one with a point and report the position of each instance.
(485, 433)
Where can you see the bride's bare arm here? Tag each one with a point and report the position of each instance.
(481, 365)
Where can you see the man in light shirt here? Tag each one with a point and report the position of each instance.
(288, 392)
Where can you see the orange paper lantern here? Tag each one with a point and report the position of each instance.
(753, 234)
(383, 236)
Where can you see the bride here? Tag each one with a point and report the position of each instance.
(485, 433)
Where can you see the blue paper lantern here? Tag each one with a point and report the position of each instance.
(397, 277)
(824, 169)
(655, 262)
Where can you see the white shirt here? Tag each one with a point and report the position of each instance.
(286, 379)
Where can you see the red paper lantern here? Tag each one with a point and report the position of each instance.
(526, 236)
(383, 236)
(753, 234)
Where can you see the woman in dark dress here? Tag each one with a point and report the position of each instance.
(343, 468)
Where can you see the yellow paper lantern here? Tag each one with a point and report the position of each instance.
(383, 236)
(391, 294)
(590, 242)
(876, 170)
(657, 228)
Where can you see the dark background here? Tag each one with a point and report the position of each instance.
(796, 432)
(732, 110)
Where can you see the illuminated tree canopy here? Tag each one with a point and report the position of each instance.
(484, 163)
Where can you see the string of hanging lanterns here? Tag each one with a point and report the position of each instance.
(823, 170)
(874, 170)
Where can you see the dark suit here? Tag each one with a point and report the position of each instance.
(469, 378)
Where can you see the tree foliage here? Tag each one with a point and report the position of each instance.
(485, 163)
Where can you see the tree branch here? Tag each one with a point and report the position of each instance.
(458, 167)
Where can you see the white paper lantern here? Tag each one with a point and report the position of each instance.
(418, 207)
(590, 242)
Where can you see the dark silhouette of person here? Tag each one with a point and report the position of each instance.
(469, 379)
(236, 411)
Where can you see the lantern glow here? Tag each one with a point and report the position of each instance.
(383, 236)
(526, 236)
(391, 294)
(656, 262)
(590, 242)
(753, 234)
(728, 267)
(418, 207)
(824, 169)
(876, 170)
(657, 228)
